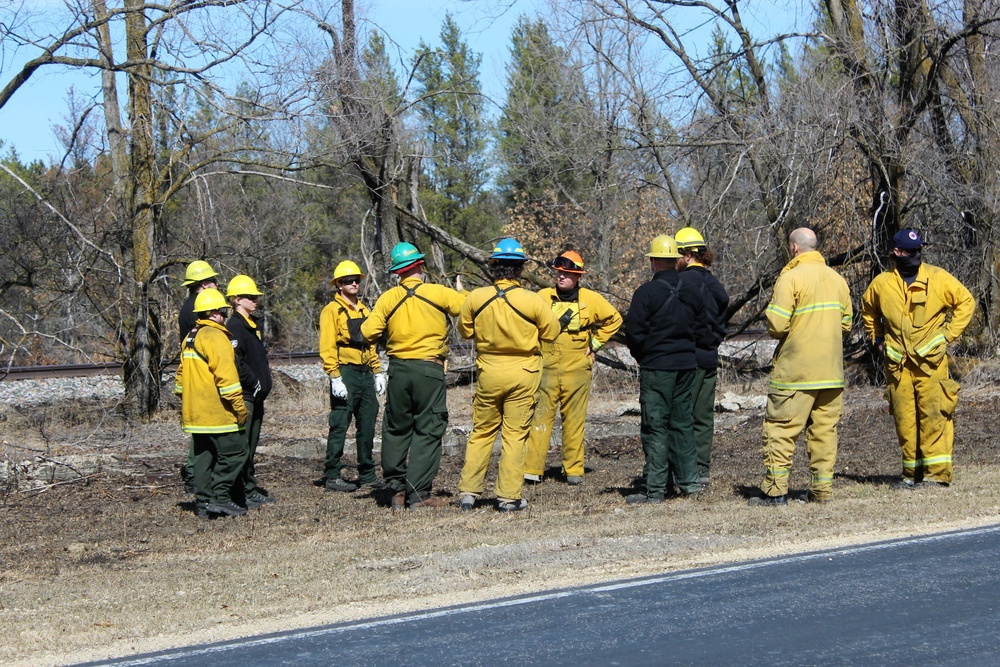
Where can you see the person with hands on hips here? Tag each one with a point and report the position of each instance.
(355, 378)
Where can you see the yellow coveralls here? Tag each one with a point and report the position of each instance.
(809, 313)
(590, 322)
(506, 332)
(913, 322)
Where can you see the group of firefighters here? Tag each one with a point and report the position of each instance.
(534, 358)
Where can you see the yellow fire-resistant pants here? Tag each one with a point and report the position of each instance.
(922, 407)
(570, 390)
(504, 402)
(788, 412)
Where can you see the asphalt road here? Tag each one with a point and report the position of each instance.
(923, 601)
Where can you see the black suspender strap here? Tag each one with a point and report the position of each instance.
(670, 299)
(412, 291)
(502, 295)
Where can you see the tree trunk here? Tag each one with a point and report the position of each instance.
(142, 368)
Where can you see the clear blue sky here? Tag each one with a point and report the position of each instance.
(26, 121)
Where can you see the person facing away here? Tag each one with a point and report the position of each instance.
(809, 313)
(506, 322)
(414, 317)
(660, 329)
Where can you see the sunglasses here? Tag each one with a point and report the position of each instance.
(349, 281)
(564, 263)
(249, 296)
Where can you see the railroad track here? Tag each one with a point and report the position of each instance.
(115, 368)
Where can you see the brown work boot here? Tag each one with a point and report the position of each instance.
(432, 503)
(399, 501)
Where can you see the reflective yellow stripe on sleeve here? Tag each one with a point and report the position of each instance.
(934, 342)
(816, 307)
(230, 388)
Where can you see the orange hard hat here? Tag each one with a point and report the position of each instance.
(570, 262)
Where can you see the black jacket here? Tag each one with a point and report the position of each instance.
(186, 319)
(251, 358)
(661, 326)
(716, 302)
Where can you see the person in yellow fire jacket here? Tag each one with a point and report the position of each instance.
(212, 407)
(912, 313)
(414, 314)
(587, 321)
(809, 313)
(356, 379)
(506, 322)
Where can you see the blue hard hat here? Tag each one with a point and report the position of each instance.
(509, 249)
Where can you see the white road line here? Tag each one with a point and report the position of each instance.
(599, 588)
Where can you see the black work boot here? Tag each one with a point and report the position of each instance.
(768, 501)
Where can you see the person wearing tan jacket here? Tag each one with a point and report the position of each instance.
(809, 313)
(356, 380)
(587, 321)
(414, 315)
(507, 323)
(911, 314)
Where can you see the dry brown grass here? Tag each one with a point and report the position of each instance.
(118, 566)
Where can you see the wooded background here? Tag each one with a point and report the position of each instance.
(276, 138)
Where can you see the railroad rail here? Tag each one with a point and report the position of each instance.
(115, 368)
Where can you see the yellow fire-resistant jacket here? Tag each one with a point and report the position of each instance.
(335, 345)
(809, 312)
(417, 329)
(208, 383)
(512, 324)
(591, 322)
(913, 319)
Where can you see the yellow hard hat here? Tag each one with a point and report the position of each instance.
(197, 271)
(663, 247)
(344, 269)
(689, 238)
(209, 299)
(242, 286)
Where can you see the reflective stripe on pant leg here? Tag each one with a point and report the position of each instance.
(821, 440)
(937, 396)
(903, 403)
(784, 419)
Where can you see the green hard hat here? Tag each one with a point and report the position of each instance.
(403, 256)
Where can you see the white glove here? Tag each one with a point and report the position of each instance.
(338, 388)
(380, 381)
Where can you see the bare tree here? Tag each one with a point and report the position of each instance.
(178, 43)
